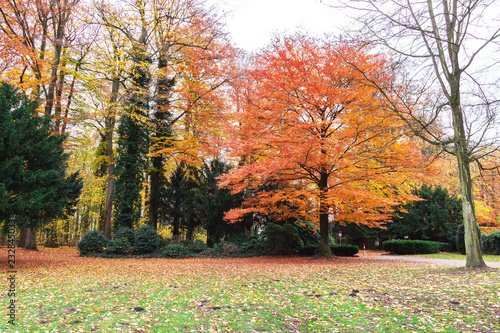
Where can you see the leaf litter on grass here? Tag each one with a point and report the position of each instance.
(58, 291)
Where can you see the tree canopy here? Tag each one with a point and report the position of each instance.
(35, 187)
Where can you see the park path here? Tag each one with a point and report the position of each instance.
(373, 255)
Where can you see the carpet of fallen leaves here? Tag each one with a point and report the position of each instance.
(58, 291)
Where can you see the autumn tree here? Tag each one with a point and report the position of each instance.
(173, 52)
(307, 119)
(447, 48)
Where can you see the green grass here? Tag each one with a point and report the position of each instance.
(254, 295)
(446, 255)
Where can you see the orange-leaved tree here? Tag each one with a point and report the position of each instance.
(306, 119)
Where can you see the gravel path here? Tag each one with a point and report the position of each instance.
(444, 262)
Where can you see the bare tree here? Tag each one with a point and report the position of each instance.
(446, 84)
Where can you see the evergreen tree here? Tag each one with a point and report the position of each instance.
(130, 162)
(180, 199)
(133, 139)
(34, 187)
(215, 201)
(435, 218)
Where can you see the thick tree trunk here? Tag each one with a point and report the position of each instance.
(22, 237)
(472, 242)
(176, 227)
(472, 238)
(190, 229)
(30, 239)
(324, 245)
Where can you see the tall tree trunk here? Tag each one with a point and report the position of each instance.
(109, 123)
(190, 227)
(109, 203)
(61, 13)
(22, 237)
(30, 239)
(176, 225)
(324, 245)
(472, 242)
(155, 188)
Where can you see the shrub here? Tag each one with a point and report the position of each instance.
(308, 233)
(197, 246)
(92, 242)
(119, 246)
(491, 242)
(344, 250)
(403, 246)
(146, 240)
(125, 232)
(175, 251)
(460, 239)
(445, 247)
(309, 250)
(252, 246)
(229, 249)
(282, 239)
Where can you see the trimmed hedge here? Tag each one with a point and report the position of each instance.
(344, 250)
(146, 240)
(445, 247)
(403, 246)
(309, 250)
(92, 242)
(491, 242)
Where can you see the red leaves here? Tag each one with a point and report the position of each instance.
(305, 115)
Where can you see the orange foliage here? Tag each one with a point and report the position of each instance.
(307, 120)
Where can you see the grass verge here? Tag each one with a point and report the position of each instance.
(66, 293)
(447, 255)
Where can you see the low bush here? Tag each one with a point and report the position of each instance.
(175, 251)
(92, 242)
(460, 239)
(403, 246)
(227, 249)
(282, 239)
(344, 250)
(119, 246)
(445, 247)
(125, 232)
(146, 240)
(491, 242)
(197, 246)
(252, 246)
(309, 250)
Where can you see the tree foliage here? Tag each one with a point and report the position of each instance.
(34, 185)
(308, 119)
(435, 217)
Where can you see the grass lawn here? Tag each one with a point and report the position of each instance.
(58, 291)
(447, 255)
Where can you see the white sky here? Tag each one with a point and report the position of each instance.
(251, 23)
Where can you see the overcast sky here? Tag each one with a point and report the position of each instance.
(251, 23)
